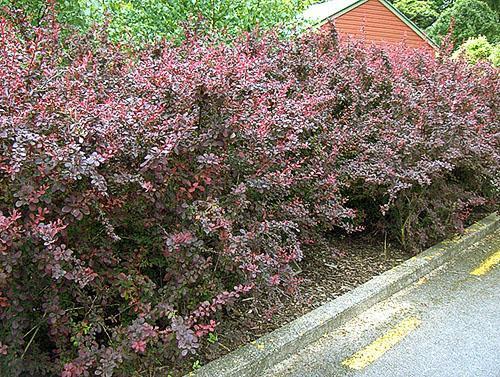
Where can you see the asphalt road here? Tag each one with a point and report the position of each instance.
(445, 325)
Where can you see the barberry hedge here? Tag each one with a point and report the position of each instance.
(140, 194)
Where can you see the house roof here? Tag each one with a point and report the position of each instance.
(319, 13)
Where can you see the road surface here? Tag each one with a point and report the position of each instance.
(445, 325)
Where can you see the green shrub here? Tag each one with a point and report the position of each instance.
(474, 49)
(495, 55)
(478, 49)
(470, 19)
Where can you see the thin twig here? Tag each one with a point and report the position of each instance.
(31, 341)
(37, 325)
(223, 346)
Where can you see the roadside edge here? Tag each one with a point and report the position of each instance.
(251, 359)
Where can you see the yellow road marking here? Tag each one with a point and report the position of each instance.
(259, 346)
(373, 351)
(422, 280)
(487, 265)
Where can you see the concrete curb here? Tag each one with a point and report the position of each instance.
(252, 359)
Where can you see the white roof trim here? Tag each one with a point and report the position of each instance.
(321, 11)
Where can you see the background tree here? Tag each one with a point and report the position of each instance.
(145, 20)
(69, 12)
(422, 12)
(471, 18)
(493, 4)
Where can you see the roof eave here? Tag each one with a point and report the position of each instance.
(339, 13)
(388, 5)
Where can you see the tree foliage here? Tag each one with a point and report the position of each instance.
(153, 19)
(422, 12)
(468, 19)
(146, 20)
(493, 4)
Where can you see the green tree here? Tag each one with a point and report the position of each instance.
(471, 18)
(422, 12)
(144, 20)
(442, 4)
(149, 19)
(74, 12)
(494, 4)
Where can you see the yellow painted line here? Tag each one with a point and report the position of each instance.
(259, 346)
(373, 351)
(487, 265)
(422, 281)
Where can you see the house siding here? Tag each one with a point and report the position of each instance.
(375, 23)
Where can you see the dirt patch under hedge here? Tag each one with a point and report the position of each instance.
(327, 273)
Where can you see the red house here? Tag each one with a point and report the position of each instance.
(377, 21)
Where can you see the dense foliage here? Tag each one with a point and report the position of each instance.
(494, 57)
(76, 13)
(479, 49)
(422, 12)
(140, 195)
(425, 12)
(467, 19)
(493, 4)
(146, 20)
